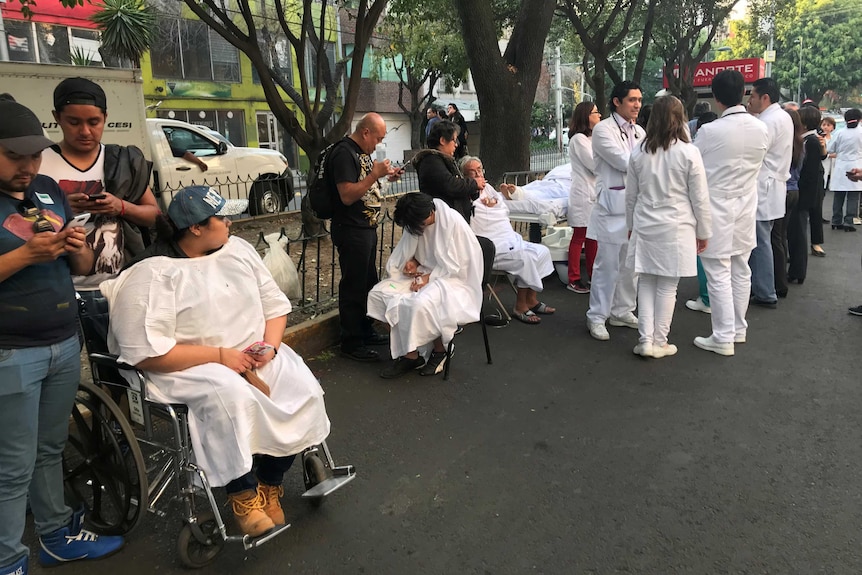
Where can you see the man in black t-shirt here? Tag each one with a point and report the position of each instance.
(354, 174)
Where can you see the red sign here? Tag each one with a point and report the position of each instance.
(52, 12)
(751, 69)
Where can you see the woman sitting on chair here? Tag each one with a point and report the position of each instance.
(434, 284)
(202, 316)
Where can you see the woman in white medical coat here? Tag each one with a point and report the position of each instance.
(669, 220)
(847, 145)
(582, 194)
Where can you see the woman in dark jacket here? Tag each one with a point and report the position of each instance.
(439, 176)
(810, 205)
(457, 118)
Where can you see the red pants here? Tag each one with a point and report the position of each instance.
(579, 238)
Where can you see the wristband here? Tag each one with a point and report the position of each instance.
(123, 210)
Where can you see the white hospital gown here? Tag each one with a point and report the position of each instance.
(447, 249)
(528, 262)
(222, 300)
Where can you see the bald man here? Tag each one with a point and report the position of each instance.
(352, 171)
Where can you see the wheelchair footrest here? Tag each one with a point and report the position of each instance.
(341, 477)
(252, 542)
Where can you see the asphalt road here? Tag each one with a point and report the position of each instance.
(569, 455)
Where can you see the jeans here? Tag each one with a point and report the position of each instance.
(37, 391)
(270, 471)
(839, 215)
(761, 264)
(701, 282)
(357, 256)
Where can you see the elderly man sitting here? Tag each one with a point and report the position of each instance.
(434, 284)
(528, 262)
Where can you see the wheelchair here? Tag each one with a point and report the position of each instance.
(127, 454)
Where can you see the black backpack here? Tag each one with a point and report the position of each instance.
(322, 194)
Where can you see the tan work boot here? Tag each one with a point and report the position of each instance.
(272, 502)
(248, 508)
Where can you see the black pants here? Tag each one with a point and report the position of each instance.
(797, 236)
(779, 242)
(815, 217)
(357, 256)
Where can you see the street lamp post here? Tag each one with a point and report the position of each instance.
(799, 77)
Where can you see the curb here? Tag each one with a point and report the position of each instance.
(310, 338)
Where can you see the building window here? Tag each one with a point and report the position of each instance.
(19, 37)
(87, 44)
(277, 56)
(53, 44)
(188, 49)
(311, 61)
(229, 123)
(225, 59)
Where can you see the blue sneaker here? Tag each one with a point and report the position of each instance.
(73, 542)
(17, 568)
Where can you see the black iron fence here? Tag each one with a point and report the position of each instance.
(310, 247)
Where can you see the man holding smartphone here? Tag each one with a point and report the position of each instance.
(40, 362)
(108, 181)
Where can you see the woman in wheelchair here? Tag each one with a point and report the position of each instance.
(200, 314)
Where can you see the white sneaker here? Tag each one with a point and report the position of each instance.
(739, 339)
(857, 221)
(698, 305)
(627, 320)
(643, 350)
(709, 344)
(598, 331)
(659, 351)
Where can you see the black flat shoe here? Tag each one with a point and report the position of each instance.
(797, 280)
(847, 228)
(837, 226)
(818, 253)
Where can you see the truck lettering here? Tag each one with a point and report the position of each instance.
(127, 125)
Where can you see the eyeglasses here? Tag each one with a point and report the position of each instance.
(596, 112)
(475, 171)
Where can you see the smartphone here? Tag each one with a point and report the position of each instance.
(94, 197)
(78, 220)
(258, 348)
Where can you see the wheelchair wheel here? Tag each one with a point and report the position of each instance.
(103, 465)
(316, 471)
(195, 554)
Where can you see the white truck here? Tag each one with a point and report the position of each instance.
(259, 175)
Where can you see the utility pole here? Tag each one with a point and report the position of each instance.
(558, 97)
(770, 45)
(799, 78)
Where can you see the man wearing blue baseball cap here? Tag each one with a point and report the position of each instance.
(40, 362)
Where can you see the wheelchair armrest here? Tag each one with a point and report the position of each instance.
(110, 360)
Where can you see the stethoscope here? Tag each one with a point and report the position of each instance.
(623, 133)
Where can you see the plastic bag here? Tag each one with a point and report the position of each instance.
(281, 266)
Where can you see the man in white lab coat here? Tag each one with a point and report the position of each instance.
(733, 148)
(771, 187)
(614, 286)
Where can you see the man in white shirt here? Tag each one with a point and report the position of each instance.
(771, 187)
(733, 148)
(614, 286)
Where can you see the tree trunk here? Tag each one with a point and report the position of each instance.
(505, 84)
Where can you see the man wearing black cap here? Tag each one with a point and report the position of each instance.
(109, 181)
(39, 351)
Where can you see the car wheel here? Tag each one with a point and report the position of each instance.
(265, 199)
